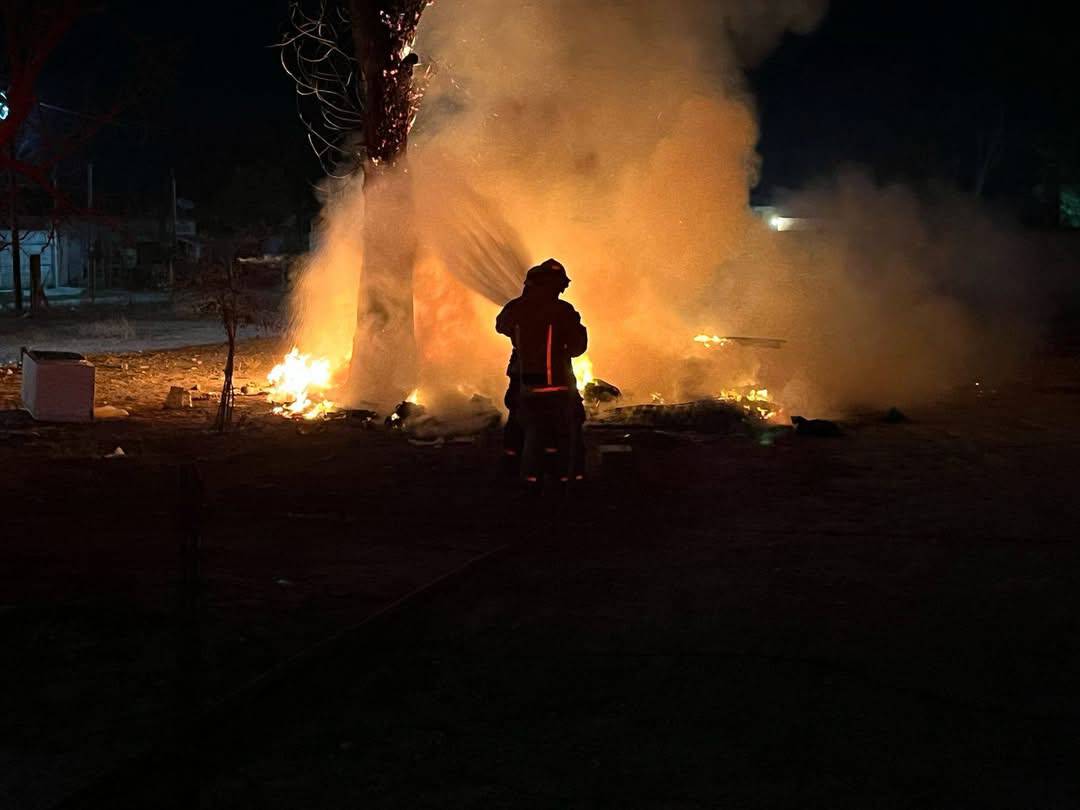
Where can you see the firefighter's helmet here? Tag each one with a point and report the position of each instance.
(550, 273)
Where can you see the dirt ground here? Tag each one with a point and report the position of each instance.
(888, 619)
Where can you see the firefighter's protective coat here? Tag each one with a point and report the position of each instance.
(547, 333)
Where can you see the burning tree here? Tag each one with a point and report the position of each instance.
(354, 65)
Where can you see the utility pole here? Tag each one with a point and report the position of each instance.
(16, 250)
(90, 269)
(172, 245)
(56, 236)
(36, 293)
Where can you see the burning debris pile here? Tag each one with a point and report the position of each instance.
(595, 392)
(299, 388)
(754, 401)
(735, 409)
(298, 385)
(730, 412)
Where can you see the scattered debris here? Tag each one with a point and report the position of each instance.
(364, 417)
(109, 413)
(818, 428)
(601, 392)
(467, 418)
(706, 416)
(178, 398)
(404, 413)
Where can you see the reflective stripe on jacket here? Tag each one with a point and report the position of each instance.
(546, 332)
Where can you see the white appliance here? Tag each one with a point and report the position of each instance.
(57, 386)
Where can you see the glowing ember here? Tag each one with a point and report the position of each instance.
(295, 381)
(582, 371)
(710, 341)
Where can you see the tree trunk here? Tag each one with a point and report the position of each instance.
(228, 394)
(36, 294)
(383, 366)
(230, 319)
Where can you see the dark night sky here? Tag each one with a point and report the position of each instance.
(900, 87)
(217, 98)
(905, 87)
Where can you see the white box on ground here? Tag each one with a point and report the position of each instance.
(58, 386)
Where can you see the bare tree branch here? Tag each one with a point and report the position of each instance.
(352, 62)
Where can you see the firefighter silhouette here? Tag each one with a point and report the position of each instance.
(546, 413)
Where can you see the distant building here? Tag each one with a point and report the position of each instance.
(126, 253)
(61, 256)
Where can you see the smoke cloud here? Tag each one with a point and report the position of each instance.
(619, 137)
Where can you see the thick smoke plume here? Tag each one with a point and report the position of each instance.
(619, 137)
